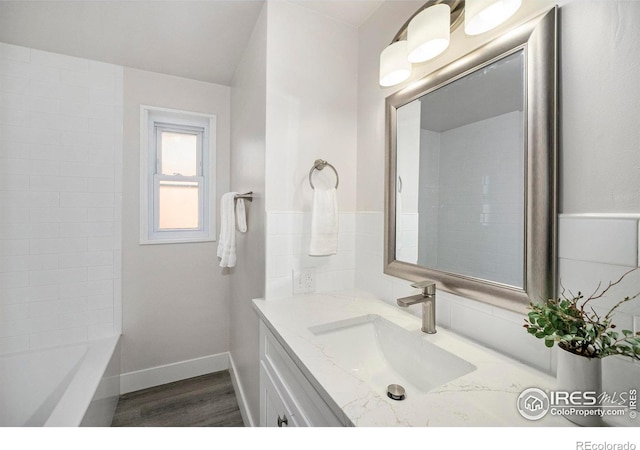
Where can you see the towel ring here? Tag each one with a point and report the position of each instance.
(320, 164)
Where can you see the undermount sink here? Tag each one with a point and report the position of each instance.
(381, 353)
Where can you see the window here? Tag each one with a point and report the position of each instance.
(177, 176)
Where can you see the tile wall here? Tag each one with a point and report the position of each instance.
(60, 197)
(288, 237)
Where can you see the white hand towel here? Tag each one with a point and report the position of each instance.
(241, 216)
(324, 223)
(227, 240)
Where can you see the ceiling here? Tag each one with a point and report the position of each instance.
(202, 40)
(488, 92)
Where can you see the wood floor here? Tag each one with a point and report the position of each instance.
(204, 401)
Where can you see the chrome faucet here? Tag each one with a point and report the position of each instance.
(428, 300)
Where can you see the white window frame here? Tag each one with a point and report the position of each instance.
(154, 120)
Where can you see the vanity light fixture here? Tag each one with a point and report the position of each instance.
(394, 65)
(484, 15)
(427, 33)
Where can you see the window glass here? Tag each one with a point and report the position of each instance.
(179, 154)
(178, 205)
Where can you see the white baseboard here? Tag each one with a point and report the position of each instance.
(155, 376)
(240, 397)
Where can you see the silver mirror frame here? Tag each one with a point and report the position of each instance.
(537, 38)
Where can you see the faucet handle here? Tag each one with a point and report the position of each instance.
(428, 287)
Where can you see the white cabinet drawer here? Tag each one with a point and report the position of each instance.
(307, 405)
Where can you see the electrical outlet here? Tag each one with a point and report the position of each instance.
(304, 281)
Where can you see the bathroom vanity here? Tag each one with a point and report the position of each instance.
(328, 359)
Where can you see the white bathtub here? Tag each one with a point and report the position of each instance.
(75, 385)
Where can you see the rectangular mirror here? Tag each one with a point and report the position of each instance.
(471, 173)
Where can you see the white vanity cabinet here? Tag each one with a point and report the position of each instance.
(287, 398)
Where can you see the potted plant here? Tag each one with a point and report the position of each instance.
(585, 337)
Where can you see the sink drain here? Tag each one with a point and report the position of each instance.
(395, 392)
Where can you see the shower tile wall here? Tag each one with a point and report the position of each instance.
(60, 196)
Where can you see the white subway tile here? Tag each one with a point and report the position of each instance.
(81, 169)
(101, 185)
(41, 293)
(57, 338)
(98, 316)
(59, 61)
(73, 305)
(74, 230)
(100, 273)
(100, 229)
(14, 182)
(74, 94)
(9, 247)
(43, 105)
(43, 167)
(15, 85)
(100, 215)
(102, 97)
(44, 199)
(74, 290)
(99, 302)
(43, 262)
(74, 320)
(26, 326)
(96, 244)
(100, 287)
(14, 344)
(100, 258)
(15, 311)
(19, 69)
(12, 151)
(10, 280)
(14, 231)
(14, 214)
(73, 245)
(14, 52)
(45, 89)
(75, 78)
(44, 73)
(12, 166)
(100, 330)
(612, 241)
(11, 116)
(14, 263)
(71, 260)
(43, 230)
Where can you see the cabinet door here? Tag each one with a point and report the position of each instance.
(274, 412)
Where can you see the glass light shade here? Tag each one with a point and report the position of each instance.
(428, 33)
(394, 66)
(484, 15)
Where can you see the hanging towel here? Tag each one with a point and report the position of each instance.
(324, 223)
(241, 216)
(227, 240)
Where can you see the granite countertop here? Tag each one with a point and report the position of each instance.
(486, 396)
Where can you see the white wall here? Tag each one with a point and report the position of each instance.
(600, 62)
(248, 123)
(311, 113)
(60, 168)
(580, 190)
(175, 296)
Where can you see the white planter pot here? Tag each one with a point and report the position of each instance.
(580, 374)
